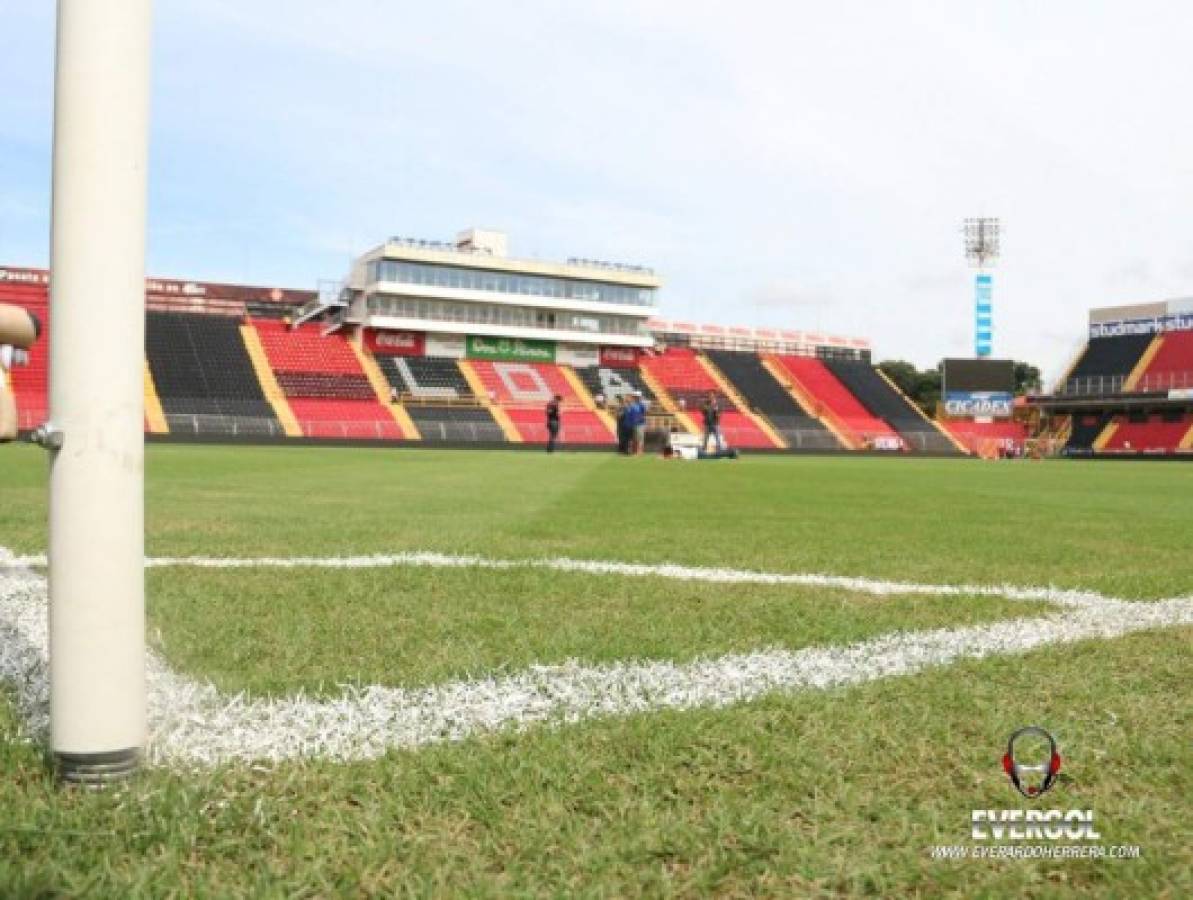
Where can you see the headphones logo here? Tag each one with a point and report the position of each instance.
(1032, 779)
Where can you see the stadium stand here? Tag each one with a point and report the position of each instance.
(324, 383)
(985, 438)
(523, 389)
(613, 384)
(1170, 365)
(882, 399)
(204, 378)
(455, 424)
(678, 371)
(439, 400)
(834, 401)
(760, 389)
(1085, 430)
(1106, 364)
(1142, 433)
(425, 377)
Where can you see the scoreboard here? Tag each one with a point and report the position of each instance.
(978, 388)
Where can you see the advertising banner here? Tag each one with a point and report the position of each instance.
(510, 349)
(450, 346)
(396, 343)
(979, 404)
(578, 355)
(1154, 325)
(619, 357)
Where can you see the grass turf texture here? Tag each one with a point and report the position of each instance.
(839, 792)
(316, 629)
(835, 792)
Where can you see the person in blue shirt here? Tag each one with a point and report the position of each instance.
(637, 421)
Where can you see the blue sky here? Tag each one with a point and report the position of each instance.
(780, 163)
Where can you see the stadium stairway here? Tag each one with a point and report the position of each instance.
(728, 388)
(667, 402)
(1151, 434)
(381, 391)
(1085, 430)
(586, 400)
(507, 426)
(269, 384)
(523, 389)
(883, 399)
(1107, 363)
(804, 400)
(832, 401)
(928, 422)
(155, 418)
(439, 400)
(202, 377)
(688, 381)
(1166, 364)
(759, 386)
(324, 383)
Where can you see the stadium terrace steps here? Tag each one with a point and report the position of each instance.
(1150, 435)
(1144, 363)
(508, 428)
(1107, 363)
(155, 418)
(1167, 363)
(1085, 430)
(727, 387)
(427, 378)
(587, 400)
(930, 425)
(683, 375)
(381, 392)
(667, 402)
(438, 423)
(834, 401)
(523, 389)
(325, 384)
(883, 399)
(268, 383)
(759, 387)
(203, 376)
(811, 408)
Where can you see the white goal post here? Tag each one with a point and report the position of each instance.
(96, 429)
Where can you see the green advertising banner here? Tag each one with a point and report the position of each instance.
(510, 349)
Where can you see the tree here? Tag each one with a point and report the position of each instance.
(923, 388)
(1027, 378)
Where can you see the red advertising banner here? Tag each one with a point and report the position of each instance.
(619, 357)
(397, 343)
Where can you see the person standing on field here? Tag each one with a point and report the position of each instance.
(638, 423)
(624, 431)
(553, 422)
(711, 410)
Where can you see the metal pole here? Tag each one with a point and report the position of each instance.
(96, 564)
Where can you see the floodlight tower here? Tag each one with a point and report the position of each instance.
(981, 249)
(96, 431)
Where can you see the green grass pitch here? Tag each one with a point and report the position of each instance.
(815, 793)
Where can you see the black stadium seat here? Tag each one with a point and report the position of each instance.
(1106, 363)
(204, 377)
(765, 395)
(427, 378)
(877, 395)
(455, 424)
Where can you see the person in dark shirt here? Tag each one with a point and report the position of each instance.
(711, 411)
(553, 422)
(624, 430)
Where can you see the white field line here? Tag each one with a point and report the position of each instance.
(421, 558)
(193, 725)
